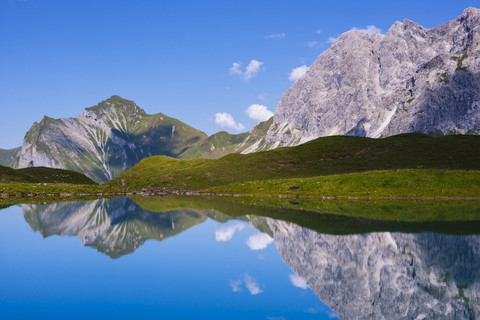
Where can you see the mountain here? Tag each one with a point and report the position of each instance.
(105, 140)
(8, 157)
(411, 79)
(386, 275)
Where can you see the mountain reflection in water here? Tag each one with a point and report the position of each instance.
(364, 273)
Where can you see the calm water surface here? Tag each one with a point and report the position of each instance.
(115, 259)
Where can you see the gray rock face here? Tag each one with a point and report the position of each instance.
(386, 275)
(411, 79)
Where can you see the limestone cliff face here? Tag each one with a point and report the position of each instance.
(105, 140)
(411, 79)
(386, 275)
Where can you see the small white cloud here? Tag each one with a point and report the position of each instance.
(259, 241)
(235, 285)
(225, 120)
(297, 73)
(319, 31)
(311, 44)
(225, 234)
(297, 281)
(331, 39)
(252, 285)
(250, 71)
(262, 97)
(258, 112)
(276, 36)
(236, 68)
(368, 30)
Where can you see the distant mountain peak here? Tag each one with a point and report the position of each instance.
(105, 140)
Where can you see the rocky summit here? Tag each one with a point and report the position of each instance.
(105, 140)
(411, 79)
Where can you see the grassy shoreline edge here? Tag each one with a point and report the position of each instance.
(383, 184)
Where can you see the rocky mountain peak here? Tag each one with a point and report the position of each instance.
(412, 79)
(117, 104)
(105, 140)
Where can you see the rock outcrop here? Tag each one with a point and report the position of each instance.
(411, 79)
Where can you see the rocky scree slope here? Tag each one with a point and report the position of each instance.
(411, 79)
(105, 140)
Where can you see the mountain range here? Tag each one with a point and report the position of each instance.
(411, 79)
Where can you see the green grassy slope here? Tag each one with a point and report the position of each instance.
(409, 183)
(42, 175)
(320, 157)
(8, 156)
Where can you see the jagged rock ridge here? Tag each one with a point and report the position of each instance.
(105, 140)
(411, 79)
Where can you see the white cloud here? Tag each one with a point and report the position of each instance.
(318, 31)
(250, 71)
(236, 68)
(297, 73)
(258, 112)
(262, 97)
(252, 285)
(276, 36)
(259, 241)
(369, 29)
(332, 39)
(225, 120)
(311, 44)
(235, 285)
(297, 281)
(225, 234)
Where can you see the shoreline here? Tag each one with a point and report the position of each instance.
(163, 193)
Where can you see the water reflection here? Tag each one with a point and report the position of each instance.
(386, 275)
(115, 227)
(355, 266)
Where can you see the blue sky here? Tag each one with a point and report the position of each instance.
(174, 57)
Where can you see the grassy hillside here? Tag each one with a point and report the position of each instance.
(42, 175)
(320, 157)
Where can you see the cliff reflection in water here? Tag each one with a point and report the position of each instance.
(360, 275)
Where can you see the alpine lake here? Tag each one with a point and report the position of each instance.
(239, 258)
